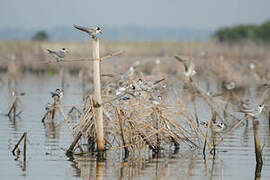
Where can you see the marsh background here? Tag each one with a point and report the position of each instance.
(223, 38)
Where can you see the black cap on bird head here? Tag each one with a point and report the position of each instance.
(65, 50)
(99, 29)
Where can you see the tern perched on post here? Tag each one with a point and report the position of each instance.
(189, 66)
(91, 31)
(59, 55)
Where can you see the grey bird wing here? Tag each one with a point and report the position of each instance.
(50, 51)
(87, 30)
(58, 54)
(183, 62)
(54, 94)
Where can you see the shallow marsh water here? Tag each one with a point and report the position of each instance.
(46, 156)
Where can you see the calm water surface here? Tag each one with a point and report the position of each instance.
(46, 158)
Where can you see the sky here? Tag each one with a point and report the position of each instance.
(199, 14)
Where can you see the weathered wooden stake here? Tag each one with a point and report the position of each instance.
(257, 142)
(98, 101)
(17, 145)
(13, 110)
(24, 137)
(24, 151)
(269, 118)
(73, 144)
(24, 144)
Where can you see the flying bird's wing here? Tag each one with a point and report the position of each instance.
(87, 30)
(183, 62)
(54, 53)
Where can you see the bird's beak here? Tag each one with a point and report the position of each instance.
(67, 51)
(101, 32)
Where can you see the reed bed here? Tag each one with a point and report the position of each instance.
(226, 62)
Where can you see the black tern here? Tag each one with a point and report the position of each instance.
(57, 94)
(91, 31)
(59, 55)
(189, 66)
(217, 127)
(230, 85)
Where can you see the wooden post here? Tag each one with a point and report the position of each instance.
(24, 151)
(24, 144)
(98, 102)
(257, 142)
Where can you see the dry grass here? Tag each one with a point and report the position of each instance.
(224, 61)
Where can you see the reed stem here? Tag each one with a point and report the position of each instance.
(121, 123)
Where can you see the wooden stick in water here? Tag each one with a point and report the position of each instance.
(24, 144)
(24, 151)
(18, 143)
(73, 144)
(257, 142)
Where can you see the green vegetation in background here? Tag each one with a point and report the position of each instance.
(41, 36)
(239, 33)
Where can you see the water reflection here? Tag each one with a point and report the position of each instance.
(51, 131)
(157, 168)
(45, 159)
(258, 171)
